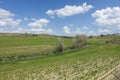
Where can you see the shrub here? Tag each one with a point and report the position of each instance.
(114, 41)
(90, 36)
(79, 41)
(60, 46)
(102, 35)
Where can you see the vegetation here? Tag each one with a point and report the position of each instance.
(79, 41)
(13, 47)
(86, 63)
(114, 41)
(60, 46)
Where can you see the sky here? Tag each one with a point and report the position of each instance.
(60, 17)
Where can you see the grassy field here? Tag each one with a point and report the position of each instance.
(87, 63)
(14, 46)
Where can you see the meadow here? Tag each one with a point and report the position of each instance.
(15, 45)
(87, 63)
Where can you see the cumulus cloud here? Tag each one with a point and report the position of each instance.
(41, 31)
(91, 33)
(9, 22)
(13, 30)
(85, 27)
(33, 19)
(25, 18)
(108, 17)
(5, 13)
(70, 10)
(7, 19)
(38, 26)
(66, 30)
(39, 23)
(103, 31)
(79, 31)
(1, 29)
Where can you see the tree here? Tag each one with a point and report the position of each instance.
(60, 46)
(79, 41)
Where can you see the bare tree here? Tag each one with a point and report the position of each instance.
(60, 46)
(79, 41)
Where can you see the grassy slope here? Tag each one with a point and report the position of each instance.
(86, 63)
(81, 64)
(22, 46)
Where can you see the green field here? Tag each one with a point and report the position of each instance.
(15, 46)
(88, 63)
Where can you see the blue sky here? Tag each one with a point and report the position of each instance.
(60, 17)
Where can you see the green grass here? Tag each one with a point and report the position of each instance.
(101, 40)
(84, 64)
(14, 46)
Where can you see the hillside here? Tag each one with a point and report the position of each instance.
(22, 45)
(88, 63)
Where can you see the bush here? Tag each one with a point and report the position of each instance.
(102, 35)
(114, 41)
(79, 41)
(60, 46)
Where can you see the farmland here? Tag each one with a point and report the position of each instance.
(87, 63)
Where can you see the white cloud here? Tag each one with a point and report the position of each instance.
(92, 33)
(13, 30)
(85, 27)
(66, 30)
(103, 31)
(39, 23)
(38, 26)
(19, 30)
(79, 31)
(41, 30)
(25, 18)
(7, 20)
(70, 10)
(108, 17)
(1, 29)
(8, 24)
(5, 13)
(33, 19)
(27, 30)
(88, 33)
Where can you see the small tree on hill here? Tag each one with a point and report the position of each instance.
(79, 41)
(60, 46)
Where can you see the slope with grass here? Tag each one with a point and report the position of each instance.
(87, 63)
(15, 46)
